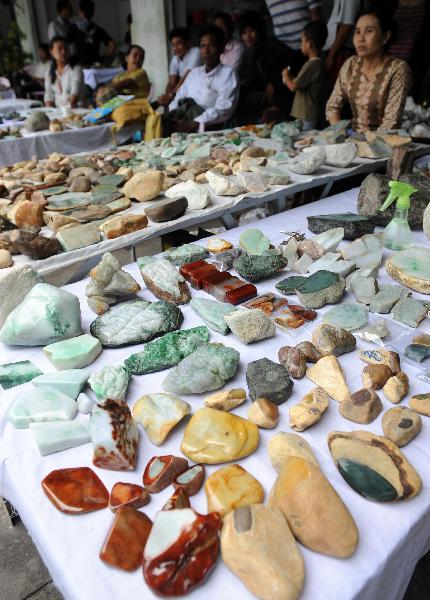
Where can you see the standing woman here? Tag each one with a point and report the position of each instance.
(64, 82)
(374, 84)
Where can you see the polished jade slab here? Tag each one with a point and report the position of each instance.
(347, 316)
(75, 353)
(68, 382)
(60, 435)
(12, 374)
(41, 404)
(366, 481)
(414, 262)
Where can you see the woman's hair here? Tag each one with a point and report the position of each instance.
(384, 16)
(253, 20)
(53, 68)
(124, 62)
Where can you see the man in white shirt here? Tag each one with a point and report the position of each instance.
(185, 57)
(209, 94)
(61, 25)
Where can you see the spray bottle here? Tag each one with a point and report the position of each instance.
(397, 234)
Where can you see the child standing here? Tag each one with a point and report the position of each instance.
(308, 103)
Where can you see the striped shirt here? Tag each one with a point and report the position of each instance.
(289, 18)
(409, 18)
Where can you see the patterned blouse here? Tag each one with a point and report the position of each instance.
(376, 103)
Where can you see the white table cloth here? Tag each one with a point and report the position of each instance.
(392, 536)
(69, 141)
(94, 77)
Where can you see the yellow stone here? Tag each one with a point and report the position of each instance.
(159, 414)
(226, 399)
(328, 374)
(309, 410)
(214, 436)
(285, 445)
(232, 487)
(258, 546)
(316, 514)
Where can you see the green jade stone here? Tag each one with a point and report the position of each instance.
(41, 404)
(55, 191)
(367, 482)
(413, 267)
(61, 435)
(207, 368)
(320, 288)
(253, 241)
(417, 352)
(135, 322)
(68, 382)
(104, 194)
(289, 285)
(167, 351)
(213, 313)
(256, 268)
(70, 199)
(409, 311)
(13, 374)
(75, 353)
(114, 180)
(185, 254)
(110, 383)
(347, 316)
(47, 314)
(105, 188)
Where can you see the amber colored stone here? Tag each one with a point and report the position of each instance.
(161, 471)
(181, 550)
(215, 278)
(187, 269)
(190, 480)
(75, 491)
(241, 294)
(197, 277)
(125, 542)
(177, 500)
(128, 494)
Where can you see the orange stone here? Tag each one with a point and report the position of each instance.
(127, 494)
(125, 542)
(29, 214)
(75, 491)
(177, 500)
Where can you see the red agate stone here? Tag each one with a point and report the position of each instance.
(177, 500)
(181, 550)
(190, 480)
(240, 294)
(161, 471)
(125, 542)
(128, 494)
(75, 491)
(187, 269)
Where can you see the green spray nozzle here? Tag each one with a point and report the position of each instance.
(400, 191)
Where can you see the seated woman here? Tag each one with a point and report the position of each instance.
(64, 82)
(374, 84)
(134, 79)
(260, 74)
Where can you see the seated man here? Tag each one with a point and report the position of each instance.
(209, 94)
(185, 57)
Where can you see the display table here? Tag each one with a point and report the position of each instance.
(70, 141)
(392, 536)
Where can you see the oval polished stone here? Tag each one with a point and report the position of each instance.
(232, 487)
(366, 482)
(215, 436)
(75, 491)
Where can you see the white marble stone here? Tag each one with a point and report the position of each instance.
(41, 404)
(58, 436)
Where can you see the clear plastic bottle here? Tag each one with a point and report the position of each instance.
(397, 234)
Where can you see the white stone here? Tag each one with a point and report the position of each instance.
(5, 259)
(325, 262)
(84, 403)
(69, 382)
(58, 436)
(330, 239)
(222, 185)
(253, 182)
(41, 404)
(308, 162)
(303, 264)
(340, 155)
(196, 194)
(166, 530)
